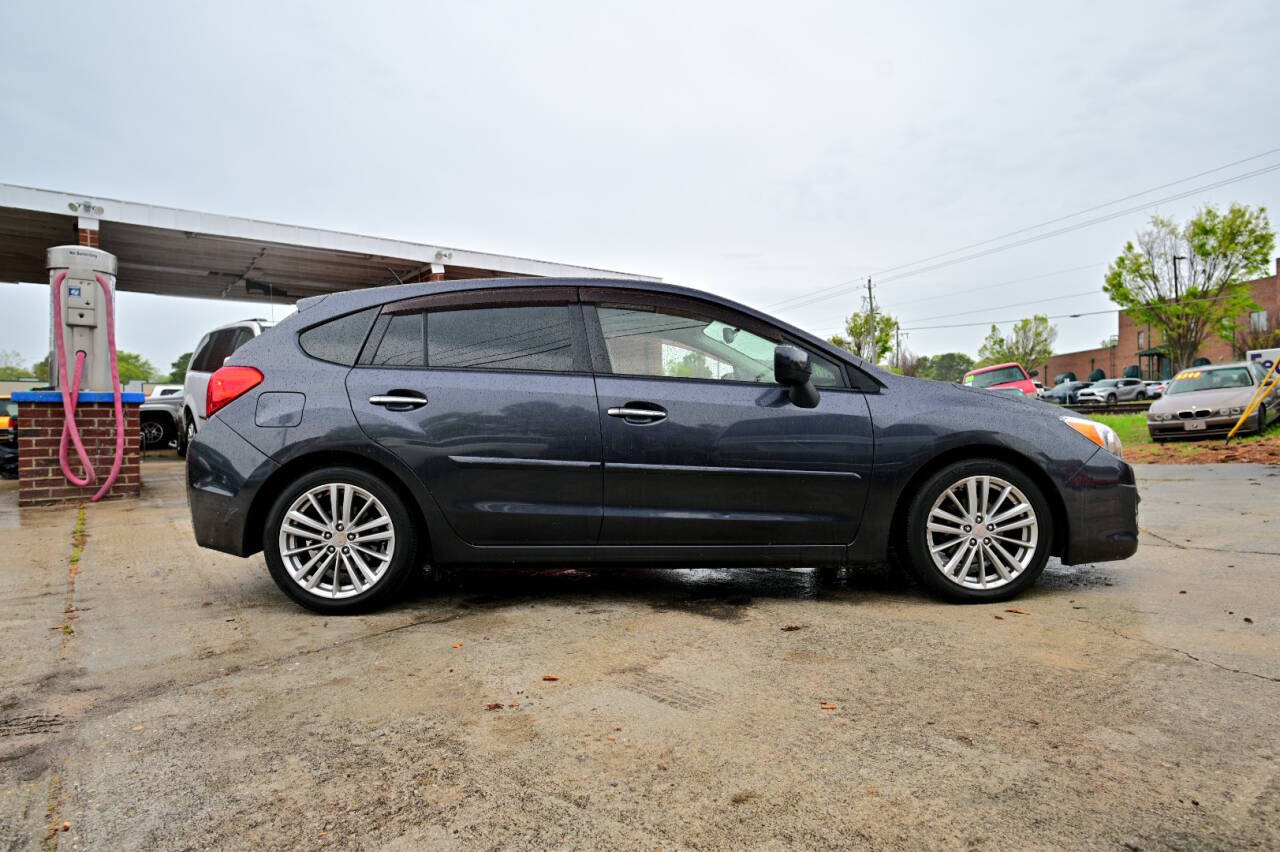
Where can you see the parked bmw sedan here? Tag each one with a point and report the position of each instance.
(1205, 401)
(624, 423)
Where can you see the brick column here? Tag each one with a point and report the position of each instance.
(40, 478)
(87, 232)
(437, 272)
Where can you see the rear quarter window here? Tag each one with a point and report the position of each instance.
(338, 340)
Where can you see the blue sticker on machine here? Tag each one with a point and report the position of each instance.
(73, 291)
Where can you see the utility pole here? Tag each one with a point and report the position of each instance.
(897, 347)
(1176, 258)
(871, 313)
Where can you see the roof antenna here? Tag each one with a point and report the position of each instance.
(397, 276)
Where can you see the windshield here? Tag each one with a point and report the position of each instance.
(1106, 383)
(994, 377)
(1198, 380)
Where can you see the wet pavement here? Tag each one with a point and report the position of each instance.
(154, 695)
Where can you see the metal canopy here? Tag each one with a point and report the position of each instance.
(176, 252)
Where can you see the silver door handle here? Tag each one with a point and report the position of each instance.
(410, 401)
(646, 413)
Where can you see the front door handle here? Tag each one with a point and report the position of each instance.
(633, 413)
(399, 400)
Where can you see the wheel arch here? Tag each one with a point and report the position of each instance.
(1052, 495)
(291, 470)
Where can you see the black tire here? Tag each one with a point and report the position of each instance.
(1142, 396)
(916, 545)
(184, 436)
(1111, 399)
(157, 431)
(402, 562)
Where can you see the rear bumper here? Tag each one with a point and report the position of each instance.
(1103, 508)
(224, 473)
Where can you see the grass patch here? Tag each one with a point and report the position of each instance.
(1132, 428)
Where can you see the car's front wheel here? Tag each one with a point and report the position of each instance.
(978, 531)
(1111, 399)
(339, 540)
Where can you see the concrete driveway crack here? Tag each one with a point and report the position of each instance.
(1186, 654)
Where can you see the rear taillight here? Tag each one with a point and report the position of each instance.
(227, 384)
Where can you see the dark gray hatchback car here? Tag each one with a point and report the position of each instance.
(623, 423)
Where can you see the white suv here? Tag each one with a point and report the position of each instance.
(214, 348)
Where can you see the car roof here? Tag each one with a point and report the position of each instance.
(348, 300)
(1218, 366)
(262, 323)
(977, 370)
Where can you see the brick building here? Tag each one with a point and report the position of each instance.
(1139, 345)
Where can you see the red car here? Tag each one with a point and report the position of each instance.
(1002, 376)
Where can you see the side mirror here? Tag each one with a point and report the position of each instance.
(791, 367)
(1034, 373)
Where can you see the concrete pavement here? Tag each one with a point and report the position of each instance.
(154, 695)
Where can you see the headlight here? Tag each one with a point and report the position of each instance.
(1232, 412)
(1102, 435)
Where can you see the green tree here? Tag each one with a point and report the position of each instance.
(134, 367)
(947, 367)
(1029, 342)
(1222, 252)
(692, 366)
(869, 340)
(40, 369)
(11, 366)
(178, 369)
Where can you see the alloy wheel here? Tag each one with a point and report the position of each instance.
(152, 433)
(337, 540)
(982, 532)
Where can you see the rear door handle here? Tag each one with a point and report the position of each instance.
(636, 414)
(399, 400)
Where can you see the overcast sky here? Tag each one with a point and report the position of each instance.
(761, 151)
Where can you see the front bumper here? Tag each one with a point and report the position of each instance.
(1213, 427)
(1103, 509)
(224, 473)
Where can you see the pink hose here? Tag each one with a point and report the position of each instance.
(71, 394)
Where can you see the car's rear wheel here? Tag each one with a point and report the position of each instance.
(186, 436)
(978, 531)
(157, 432)
(1142, 395)
(339, 540)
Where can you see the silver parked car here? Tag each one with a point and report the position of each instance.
(1110, 391)
(214, 348)
(160, 415)
(1209, 401)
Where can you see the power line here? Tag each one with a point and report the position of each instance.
(818, 295)
(1000, 284)
(1093, 292)
(1019, 319)
(1075, 315)
(1058, 232)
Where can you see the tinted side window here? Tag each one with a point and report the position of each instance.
(524, 338)
(338, 340)
(219, 348)
(198, 358)
(402, 343)
(646, 342)
(243, 336)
